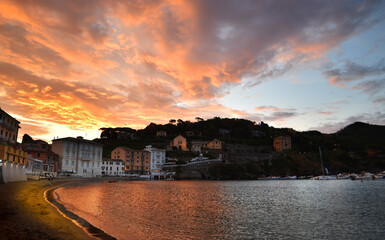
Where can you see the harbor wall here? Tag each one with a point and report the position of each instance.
(12, 172)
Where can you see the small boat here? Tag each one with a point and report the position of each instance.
(290, 178)
(323, 176)
(327, 177)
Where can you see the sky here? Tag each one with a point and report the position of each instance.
(68, 68)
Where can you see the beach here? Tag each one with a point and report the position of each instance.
(25, 214)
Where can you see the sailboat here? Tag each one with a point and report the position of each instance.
(323, 177)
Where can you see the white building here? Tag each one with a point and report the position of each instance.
(78, 156)
(112, 167)
(158, 158)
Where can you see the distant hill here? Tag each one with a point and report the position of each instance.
(357, 147)
(360, 129)
(360, 136)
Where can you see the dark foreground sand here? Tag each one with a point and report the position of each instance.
(25, 214)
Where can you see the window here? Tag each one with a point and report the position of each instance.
(66, 162)
(38, 154)
(72, 163)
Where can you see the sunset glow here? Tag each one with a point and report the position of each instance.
(68, 68)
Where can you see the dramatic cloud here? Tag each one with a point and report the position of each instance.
(87, 64)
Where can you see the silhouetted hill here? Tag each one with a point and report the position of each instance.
(360, 129)
(357, 147)
(361, 136)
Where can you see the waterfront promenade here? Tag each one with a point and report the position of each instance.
(25, 214)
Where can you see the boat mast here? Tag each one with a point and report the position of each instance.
(322, 163)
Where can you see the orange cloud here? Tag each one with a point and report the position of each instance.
(86, 64)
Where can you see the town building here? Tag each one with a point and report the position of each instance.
(41, 150)
(34, 168)
(190, 133)
(78, 156)
(180, 143)
(257, 134)
(282, 143)
(161, 133)
(12, 158)
(214, 144)
(136, 161)
(112, 167)
(224, 132)
(157, 159)
(9, 127)
(196, 146)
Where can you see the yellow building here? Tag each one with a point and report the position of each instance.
(214, 144)
(136, 161)
(180, 143)
(14, 155)
(282, 143)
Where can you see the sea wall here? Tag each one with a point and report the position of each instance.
(12, 172)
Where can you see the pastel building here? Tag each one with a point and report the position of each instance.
(136, 161)
(180, 143)
(41, 150)
(157, 159)
(282, 143)
(78, 156)
(214, 144)
(113, 167)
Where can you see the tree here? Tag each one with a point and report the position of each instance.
(199, 119)
(172, 121)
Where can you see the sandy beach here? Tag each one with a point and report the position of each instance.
(25, 214)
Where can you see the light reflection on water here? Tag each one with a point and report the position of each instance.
(232, 209)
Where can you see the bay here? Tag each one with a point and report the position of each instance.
(298, 209)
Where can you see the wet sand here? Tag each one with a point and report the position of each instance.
(25, 214)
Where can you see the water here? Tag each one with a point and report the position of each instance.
(302, 209)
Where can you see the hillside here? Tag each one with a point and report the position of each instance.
(357, 147)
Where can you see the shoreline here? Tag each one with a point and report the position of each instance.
(91, 230)
(26, 212)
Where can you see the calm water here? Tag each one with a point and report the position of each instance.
(301, 209)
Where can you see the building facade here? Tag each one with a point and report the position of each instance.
(41, 150)
(136, 161)
(112, 167)
(12, 158)
(157, 159)
(180, 143)
(282, 143)
(161, 133)
(214, 144)
(78, 156)
(9, 127)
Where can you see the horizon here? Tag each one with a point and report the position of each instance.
(99, 129)
(68, 66)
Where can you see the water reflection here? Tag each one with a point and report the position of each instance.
(232, 210)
